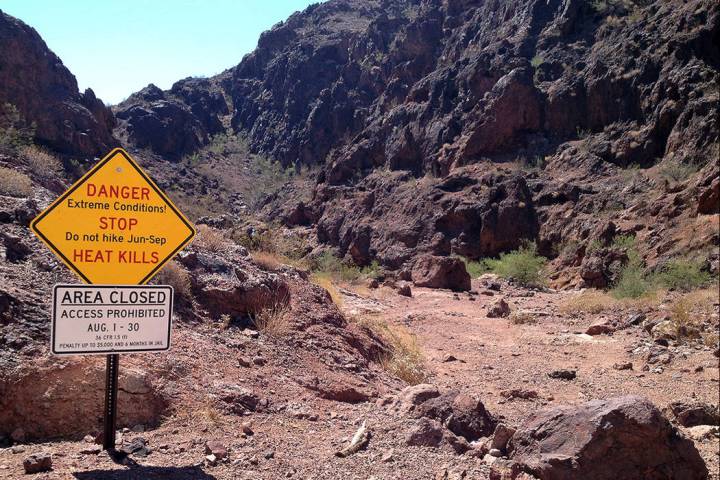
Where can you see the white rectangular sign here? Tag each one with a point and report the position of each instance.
(101, 319)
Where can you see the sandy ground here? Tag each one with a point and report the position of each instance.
(299, 439)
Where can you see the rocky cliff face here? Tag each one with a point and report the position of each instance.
(464, 127)
(45, 93)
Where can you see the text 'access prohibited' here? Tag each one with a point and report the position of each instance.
(95, 319)
(114, 225)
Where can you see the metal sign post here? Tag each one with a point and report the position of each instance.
(111, 388)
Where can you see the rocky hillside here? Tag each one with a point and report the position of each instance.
(45, 95)
(462, 127)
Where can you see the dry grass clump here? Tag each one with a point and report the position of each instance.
(519, 317)
(685, 324)
(41, 163)
(404, 358)
(588, 301)
(225, 321)
(210, 239)
(267, 260)
(14, 183)
(687, 313)
(176, 276)
(272, 320)
(325, 281)
(597, 301)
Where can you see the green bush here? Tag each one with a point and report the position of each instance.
(475, 268)
(523, 265)
(332, 266)
(632, 282)
(683, 275)
(371, 271)
(13, 131)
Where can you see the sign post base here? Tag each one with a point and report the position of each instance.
(111, 388)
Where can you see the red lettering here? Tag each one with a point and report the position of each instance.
(124, 192)
(119, 223)
(92, 256)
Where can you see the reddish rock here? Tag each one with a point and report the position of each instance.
(600, 328)
(623, 438)
(460, 413)
(499, 309)
(36, 463)
(709, 199)
(441, 272)
(404, 290)
(520, 393)
(415, 395)
(217, 448)
(692, 414)
(425, 433)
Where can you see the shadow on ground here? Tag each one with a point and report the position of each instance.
(134, 471)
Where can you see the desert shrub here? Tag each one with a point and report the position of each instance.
(328, 264)
(371, 271)
(269, 176)
(41, 163)
(257, 241)
(632, 282)
(677, 171)
(228, 144)
(475, 268)
(582, 133)
(210, 239)
(624, 242)
(14, 133)
(523, 265)
(404, 357)
(685, 324)
(683, 275)
(14, 183)
(176, 276)
(273, 319)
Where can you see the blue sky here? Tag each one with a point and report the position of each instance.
(117, 47)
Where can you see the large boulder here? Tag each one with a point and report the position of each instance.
(600, 268)
(461, 414)
(621, 438)
(232, 286)
(441, 272)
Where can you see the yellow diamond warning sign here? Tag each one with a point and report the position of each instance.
(114, 225)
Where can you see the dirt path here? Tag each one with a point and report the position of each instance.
(494, 355)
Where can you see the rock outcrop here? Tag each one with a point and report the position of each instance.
(622, 438)
(45, 94)
(467, 127)
(441, 272)
(172, 123)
